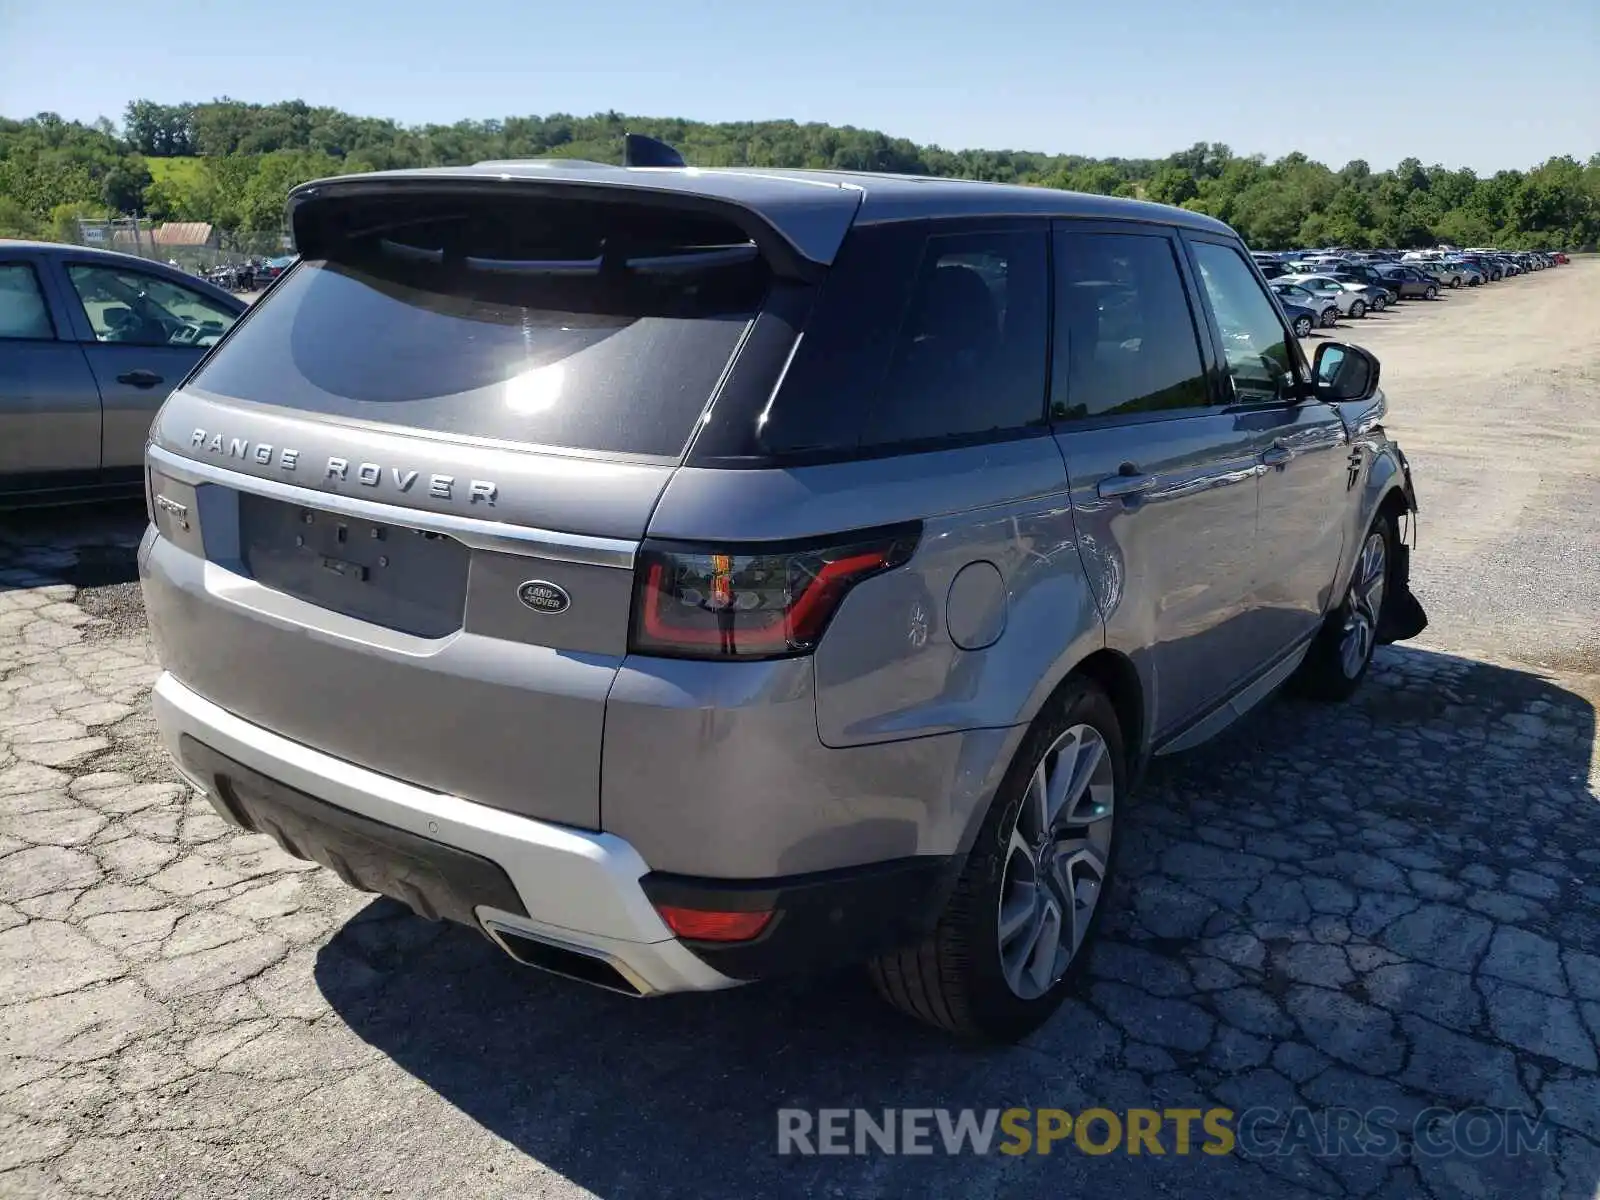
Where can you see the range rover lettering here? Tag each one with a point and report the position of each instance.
(853, 544)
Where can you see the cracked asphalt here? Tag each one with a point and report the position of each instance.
(1395, 903)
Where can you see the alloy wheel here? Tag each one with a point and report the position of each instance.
(1302, 327)
(1377, 303)
(1329, 316)
(1056, 861)
(1358, 309)
(1364, 604)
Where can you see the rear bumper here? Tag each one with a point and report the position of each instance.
(821, 921)
(578, 903)
(579, 892)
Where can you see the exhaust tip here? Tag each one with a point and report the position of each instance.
(566, 961)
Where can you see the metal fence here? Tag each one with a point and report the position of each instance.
(228, 259)
(193, 245)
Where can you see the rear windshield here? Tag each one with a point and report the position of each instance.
(596, 327)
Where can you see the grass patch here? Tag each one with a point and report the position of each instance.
(184, 172)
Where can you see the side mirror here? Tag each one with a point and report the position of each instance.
(1344, 372)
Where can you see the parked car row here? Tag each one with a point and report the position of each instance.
(1317, 287)
(248, 276)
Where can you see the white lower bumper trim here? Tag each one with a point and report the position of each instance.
(580, 889)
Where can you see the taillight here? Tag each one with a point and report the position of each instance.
(753, 602)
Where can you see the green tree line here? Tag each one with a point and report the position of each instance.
(231, 163)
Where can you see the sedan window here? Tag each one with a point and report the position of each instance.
(133, 308)
(23, 315)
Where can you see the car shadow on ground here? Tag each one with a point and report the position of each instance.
(86, 546)
(1303, 917)
(91, 548)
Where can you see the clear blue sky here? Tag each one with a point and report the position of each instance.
(1480, 83)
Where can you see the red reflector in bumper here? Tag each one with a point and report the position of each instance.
(701, 926)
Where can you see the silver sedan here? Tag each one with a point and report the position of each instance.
(1350, 297)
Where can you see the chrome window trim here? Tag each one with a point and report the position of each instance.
(479, 534)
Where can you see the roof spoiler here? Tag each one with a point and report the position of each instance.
(797, 234)
(637, 151)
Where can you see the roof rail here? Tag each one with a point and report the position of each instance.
(546, 160)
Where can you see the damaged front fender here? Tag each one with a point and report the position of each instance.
(1403, 616)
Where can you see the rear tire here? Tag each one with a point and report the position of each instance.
(1302, 327)
(995, 967)
(1379, 303)
(1431, 294)
(1329, 317)
(1358, 309)
(1342, 651)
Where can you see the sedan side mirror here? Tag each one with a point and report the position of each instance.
(1344, 372)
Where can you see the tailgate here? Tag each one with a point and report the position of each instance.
(405, 640)
(399, 504)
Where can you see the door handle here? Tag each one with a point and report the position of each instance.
(1276, 455)
(1125, 484)
(139, 379)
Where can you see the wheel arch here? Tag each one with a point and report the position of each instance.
(1384, 493)
(1394, 502)
(1114, 673)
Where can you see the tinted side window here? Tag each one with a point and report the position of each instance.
(23, 313)
(1253, 335)
(970, 356)
(918, 338)
(843, 354)
(1125, 339)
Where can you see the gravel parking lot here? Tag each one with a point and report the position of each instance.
(1394, 903)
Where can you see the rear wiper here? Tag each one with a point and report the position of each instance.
(689, 261)
(535, 266)
(692, 261)
(411, 253)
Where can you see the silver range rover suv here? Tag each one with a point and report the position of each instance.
(687, 577)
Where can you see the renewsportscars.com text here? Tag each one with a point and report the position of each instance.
(1254, 1133)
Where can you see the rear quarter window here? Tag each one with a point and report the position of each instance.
(924, 333)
